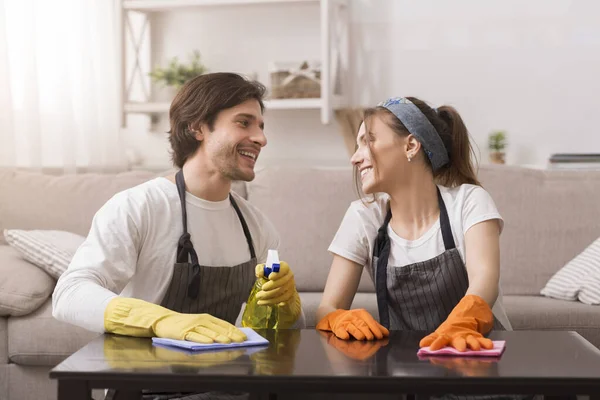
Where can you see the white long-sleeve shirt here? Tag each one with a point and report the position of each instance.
(132, 244)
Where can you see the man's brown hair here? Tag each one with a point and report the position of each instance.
(199, 102)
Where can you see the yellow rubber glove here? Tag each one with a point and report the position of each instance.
(358, 323)
(464, 328)
(281, 291)
(280, 288)
(134, 317)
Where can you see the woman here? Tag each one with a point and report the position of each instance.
(429, 237)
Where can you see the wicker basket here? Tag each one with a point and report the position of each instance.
(295, 80)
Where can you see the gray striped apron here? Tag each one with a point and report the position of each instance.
(223, 289)
(420, 296)
(197, 289)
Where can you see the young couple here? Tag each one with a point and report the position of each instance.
(177, 256)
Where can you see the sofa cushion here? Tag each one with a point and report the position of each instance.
(549, 217)
(23, 287)
(26, 197)
(569, 281)
(28, 383)
(311, 300)
(542, 313)
(52, 251)
(30, 200)
(306, 205)
(40, 339)
(3, 340)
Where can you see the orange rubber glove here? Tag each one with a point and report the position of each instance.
(465, 326)
(358, 323)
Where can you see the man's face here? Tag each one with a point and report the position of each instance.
(235, 143)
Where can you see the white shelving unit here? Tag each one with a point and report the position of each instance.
(334, 25)
(276, 104)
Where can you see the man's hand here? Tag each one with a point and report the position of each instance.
(135, 317)
(280, 288)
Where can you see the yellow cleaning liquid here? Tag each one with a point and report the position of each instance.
(262, 317)
(259, 317)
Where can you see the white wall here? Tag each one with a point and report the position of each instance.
(530, 67)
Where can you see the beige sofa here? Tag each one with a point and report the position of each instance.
(550, 217)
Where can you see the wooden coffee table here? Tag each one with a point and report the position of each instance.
(535, 362)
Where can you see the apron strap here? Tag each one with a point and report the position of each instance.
(445, 223)
(381, 250)
(244, 227)
(180, 182)
(185, 248)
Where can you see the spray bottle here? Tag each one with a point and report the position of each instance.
(262, 317)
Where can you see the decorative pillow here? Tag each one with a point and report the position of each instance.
(52, 251)
(579, 279)
(23, 286)
(590, 292)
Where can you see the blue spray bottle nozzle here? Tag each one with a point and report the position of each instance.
(272, 264)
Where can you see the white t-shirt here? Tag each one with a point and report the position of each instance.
(466, 204)
(132, 246)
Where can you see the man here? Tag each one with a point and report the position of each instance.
(175, 257)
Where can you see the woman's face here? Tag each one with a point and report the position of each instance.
(381, 156)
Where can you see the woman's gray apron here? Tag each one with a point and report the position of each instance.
(196, 289)
(420, 296)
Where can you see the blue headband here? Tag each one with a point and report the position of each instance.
(420, 127)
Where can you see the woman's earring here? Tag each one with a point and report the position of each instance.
(409, 158)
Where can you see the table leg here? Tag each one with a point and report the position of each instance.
(73, 390)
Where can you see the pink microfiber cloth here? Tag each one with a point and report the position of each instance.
(499, 346)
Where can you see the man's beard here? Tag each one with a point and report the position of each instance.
(230, 169)
(236, 174)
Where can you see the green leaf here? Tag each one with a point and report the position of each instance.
(497, 141)
(176, 73)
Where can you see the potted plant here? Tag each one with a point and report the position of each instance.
(176, 73)
(497, 146)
